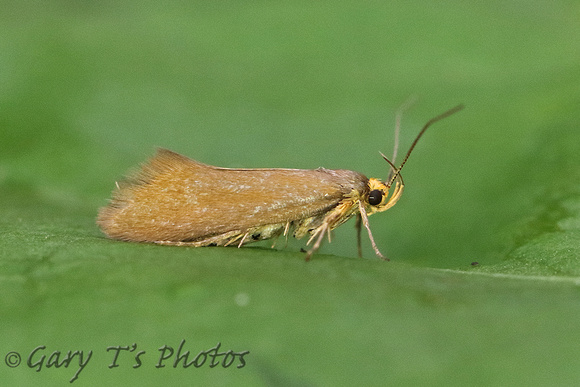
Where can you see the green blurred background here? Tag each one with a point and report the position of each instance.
(89, 89)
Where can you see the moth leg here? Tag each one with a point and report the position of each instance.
(358, 235)
(316, 233)
(234, 239)
(319, 235)
(333, 219)
(243, 239)
(365, 221)
(286, 231)
(276, 240)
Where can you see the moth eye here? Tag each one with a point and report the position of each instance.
(375, 197)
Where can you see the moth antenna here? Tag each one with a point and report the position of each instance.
(393, 170)
(399, 116)
(427, 125)
(393, 167)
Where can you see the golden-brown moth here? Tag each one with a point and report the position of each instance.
(174, 200)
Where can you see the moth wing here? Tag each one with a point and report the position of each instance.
(174, 198)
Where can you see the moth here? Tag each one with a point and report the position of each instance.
(174, 200)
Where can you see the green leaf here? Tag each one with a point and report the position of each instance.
(482, 286)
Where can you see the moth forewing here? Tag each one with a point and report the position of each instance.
(173, 200)
(176, 200)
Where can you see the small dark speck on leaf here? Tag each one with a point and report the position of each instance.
(474, 263)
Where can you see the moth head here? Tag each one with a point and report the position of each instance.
(380, 196)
